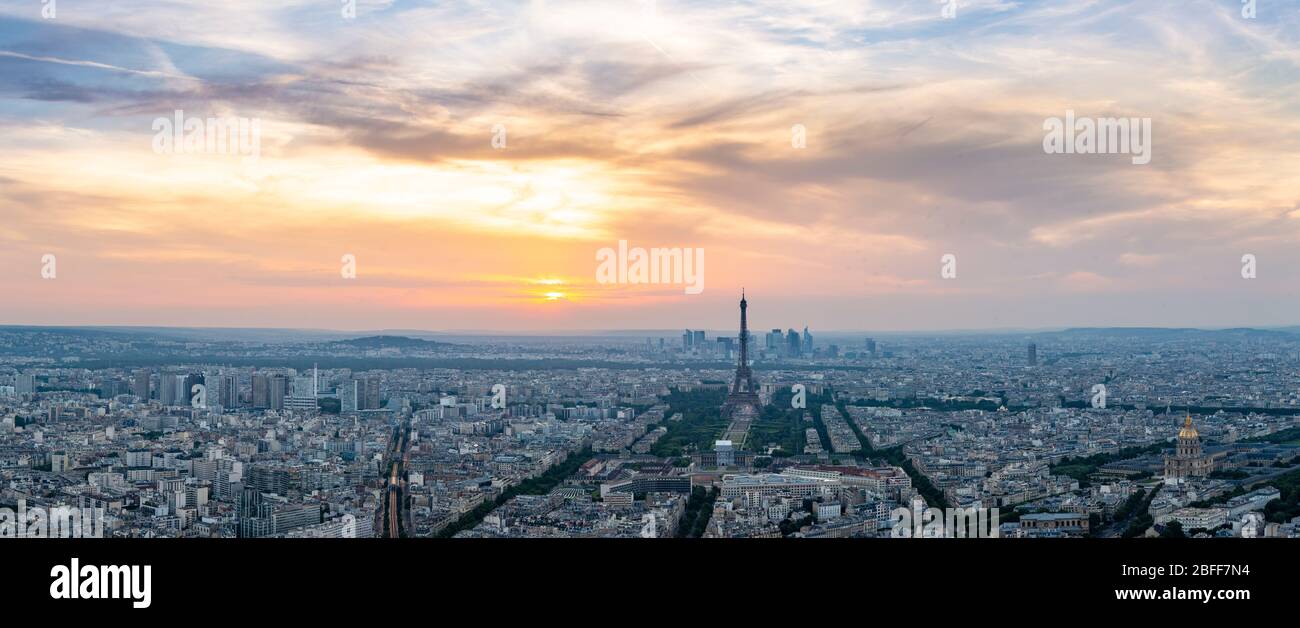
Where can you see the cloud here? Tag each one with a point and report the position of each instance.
(924, 137)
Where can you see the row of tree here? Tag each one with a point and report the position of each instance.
(539, 485)
(699, 509)
(894, 456)
(700, 425)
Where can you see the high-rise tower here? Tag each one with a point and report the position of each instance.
(743, 399)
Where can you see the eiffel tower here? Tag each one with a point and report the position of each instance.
(742, 401)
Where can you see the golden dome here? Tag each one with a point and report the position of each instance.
(1188, 431)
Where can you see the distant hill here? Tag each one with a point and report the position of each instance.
(391, 342)
(1178, 331)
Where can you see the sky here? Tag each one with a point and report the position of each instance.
(470, 159)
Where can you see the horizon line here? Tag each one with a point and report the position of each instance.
(621, 331)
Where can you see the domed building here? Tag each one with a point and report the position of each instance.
(1188, 461)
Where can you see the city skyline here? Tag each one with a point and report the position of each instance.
(473, 160)
(399, 437)
(612, 333)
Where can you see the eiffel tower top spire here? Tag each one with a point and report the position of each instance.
(743, 365)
